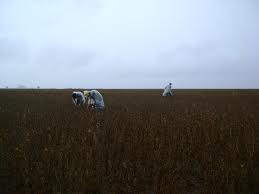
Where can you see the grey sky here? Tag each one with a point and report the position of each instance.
(129, 43)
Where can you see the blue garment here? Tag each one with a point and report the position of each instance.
(168, 90)
(98, 99)
(78, 98)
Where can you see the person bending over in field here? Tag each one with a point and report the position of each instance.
(168, 90)
(94, 99)
(78, 98)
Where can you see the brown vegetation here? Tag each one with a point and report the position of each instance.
(195, 142)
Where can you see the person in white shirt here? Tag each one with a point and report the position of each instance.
(78, 98)
(168, 90)
(94, 99)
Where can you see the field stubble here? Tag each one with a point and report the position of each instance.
(195, 142)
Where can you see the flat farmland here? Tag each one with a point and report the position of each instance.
(198, 141)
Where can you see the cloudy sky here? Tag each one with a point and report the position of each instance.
(129, 43)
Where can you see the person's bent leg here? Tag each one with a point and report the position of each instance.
(101, 108)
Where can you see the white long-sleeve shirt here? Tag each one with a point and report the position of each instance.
(167, 90)
(80, 98)
(98, 99)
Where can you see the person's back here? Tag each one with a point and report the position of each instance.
(78, 98)
(98, 99)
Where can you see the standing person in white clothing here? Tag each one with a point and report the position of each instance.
(168, 90)
(94, 99)
(78, 98)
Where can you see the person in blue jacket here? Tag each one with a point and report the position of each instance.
(94, 99)
(78, 98)
(168, 90)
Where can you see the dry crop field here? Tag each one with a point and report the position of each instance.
(199, 141)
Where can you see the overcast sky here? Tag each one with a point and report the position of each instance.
(129, 43)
